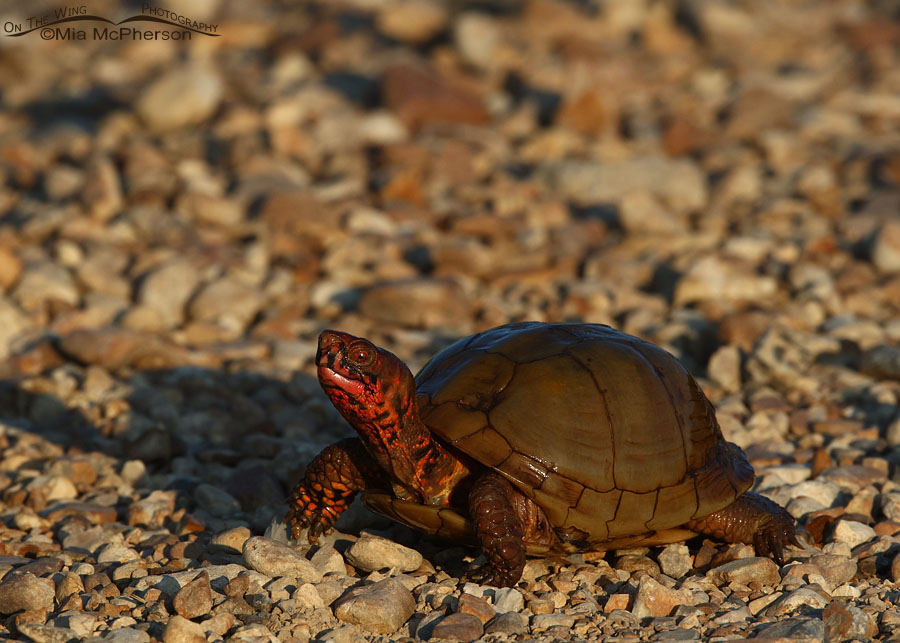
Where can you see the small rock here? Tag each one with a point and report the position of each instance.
(458, 627)
(508, 599)
(10, 268)
(822, 491)
(892, 434)
(25, 592)
(116, 553)
(421, 95)
(677, 183)
(853, 533)
(114, 348)
(153, 509)
(47, 633)
(617, 602)
(195, 598)
(228, 302)
(12, 323)
(102, 192)
(232, 540)
(183, 96)
(412, 21)
(216, 501)
(747, 570)
(633, 563)
(67, 584)
(380, 128)
(274, 559)
(506, 623)
(589, 113)
(845, 622)
(675, 560)
(794, 629)
(44, 281)
(308, 596)
(641, 213)
(167, 290)
(54, 487)
(654, 599)
(714, 278)
(798, 598)
(738, 615)
(881, 361)
(546, 621)
(725, 368)
(541, 606)
(476, 36)
(895, 568)
(327, 559)
(220, 623)
(371, 553)
(886, 248)
(380, 608)
(219, 211)
(478, 606)
(422, 303)
(180, 630)
(836, 569)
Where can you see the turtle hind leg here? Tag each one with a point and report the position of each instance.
(498, 529)
(751, 519)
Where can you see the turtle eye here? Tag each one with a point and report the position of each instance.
(362, 355)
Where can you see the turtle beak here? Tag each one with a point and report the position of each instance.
(333, 372)
(330, 345)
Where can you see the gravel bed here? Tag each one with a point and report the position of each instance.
(179, 220)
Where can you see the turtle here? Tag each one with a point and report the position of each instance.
(533, 439)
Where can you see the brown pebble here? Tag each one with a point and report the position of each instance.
(195, 598)
(478, 606)
(420, 95)
(458, 627)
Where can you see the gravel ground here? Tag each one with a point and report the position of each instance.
(179, 220)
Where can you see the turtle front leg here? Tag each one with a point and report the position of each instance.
(331, 481)
(491, 507)
(751, 519)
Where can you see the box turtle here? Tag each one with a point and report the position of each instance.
(533, 438)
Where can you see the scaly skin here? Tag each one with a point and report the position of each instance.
(751, 519)
(491, 506)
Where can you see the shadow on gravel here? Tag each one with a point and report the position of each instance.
(231, 444)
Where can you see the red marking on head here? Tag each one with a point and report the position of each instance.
(366, 384)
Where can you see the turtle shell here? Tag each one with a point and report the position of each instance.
(607, 433)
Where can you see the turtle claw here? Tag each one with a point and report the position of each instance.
(489, 574)
(311, 514)
(771, 538)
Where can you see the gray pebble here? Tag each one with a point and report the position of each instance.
(186, 95)
(506, 623)
(25, 592)
(371, 553)
(380, 608)
(275, 559)
(508, 599)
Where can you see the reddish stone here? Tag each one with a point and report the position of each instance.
(683, 136)
(587, 113)
(420, 95)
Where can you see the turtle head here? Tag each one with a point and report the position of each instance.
(362, 380)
